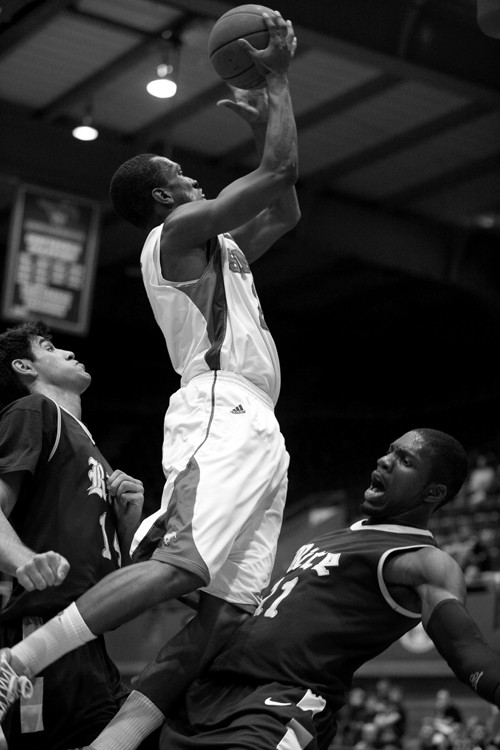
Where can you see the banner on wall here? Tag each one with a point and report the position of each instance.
(51, 259)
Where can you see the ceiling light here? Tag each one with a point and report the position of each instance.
(162, 86)
(85, 131)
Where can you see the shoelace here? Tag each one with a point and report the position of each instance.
(12, 685)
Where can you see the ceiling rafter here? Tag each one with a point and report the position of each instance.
(328, 109)
(88, 86)
(34, 19)
(448, 178)
(397, 143)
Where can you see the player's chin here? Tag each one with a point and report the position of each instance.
(86, 380)
(373, 495)
(372, 501)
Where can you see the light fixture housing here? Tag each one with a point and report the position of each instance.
(162, 87)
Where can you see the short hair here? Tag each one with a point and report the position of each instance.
(449, 459)
(16, 343)
(131, 187)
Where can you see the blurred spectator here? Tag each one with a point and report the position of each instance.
(373, 719)
(369, 737)
(461, 544)
(382, 689)
(426, 734)
(481, 478)
(478, 734)
(478, 560)
(472, 549)
(351, 718)
(396, 704)
(445, 708)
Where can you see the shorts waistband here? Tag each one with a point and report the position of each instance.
(233, 377)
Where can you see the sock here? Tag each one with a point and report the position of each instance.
(135, 720)
(57, 637)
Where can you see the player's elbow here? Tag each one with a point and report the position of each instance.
(293, 171)
(288, 173)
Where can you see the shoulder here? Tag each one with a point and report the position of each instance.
(151, 241)
(28, 430)
(425, 565)
(34, 402)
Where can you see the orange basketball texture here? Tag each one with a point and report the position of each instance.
(231, 62)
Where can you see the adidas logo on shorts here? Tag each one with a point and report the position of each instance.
(238, 410)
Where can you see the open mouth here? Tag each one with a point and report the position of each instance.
(377, 485)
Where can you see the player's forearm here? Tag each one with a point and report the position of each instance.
(460, 642)
(13, 553)
(280, 148)
(286, 207)
(259, 130)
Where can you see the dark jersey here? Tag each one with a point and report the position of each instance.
(328, 614)
(63, 504)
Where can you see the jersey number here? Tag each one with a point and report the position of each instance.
(106, 551)
(321, 568)
(286, 589)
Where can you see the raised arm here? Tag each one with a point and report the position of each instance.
(191, 224)
(262, 231)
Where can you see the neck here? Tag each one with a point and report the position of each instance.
(417, 520)
(69, 400)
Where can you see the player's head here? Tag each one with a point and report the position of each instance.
(421, 471)
(449, 461)
(16, 343)
(131, 189)
(145, 188)
(29, 362)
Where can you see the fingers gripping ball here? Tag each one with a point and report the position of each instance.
(231, 62)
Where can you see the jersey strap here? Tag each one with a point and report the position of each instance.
(58, 431)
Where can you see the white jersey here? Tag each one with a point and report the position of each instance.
(214, 322)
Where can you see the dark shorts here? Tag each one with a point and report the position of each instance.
(242, 717)
(73, 700)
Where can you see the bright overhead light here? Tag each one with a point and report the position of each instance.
(162, 86)
(85, 131)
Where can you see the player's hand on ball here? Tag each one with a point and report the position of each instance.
(276, 57)
(43, 570)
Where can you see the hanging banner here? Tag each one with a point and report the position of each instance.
(51, 259)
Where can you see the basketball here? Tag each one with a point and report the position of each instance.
(231, 62)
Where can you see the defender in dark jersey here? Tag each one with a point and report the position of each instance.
(66, 520)
(344, 599)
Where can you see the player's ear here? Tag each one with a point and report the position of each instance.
(24, 368)
(436, 493)
(161, 195)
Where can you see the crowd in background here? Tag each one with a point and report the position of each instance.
(468, 528)
(373, 720)
(379, 720)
